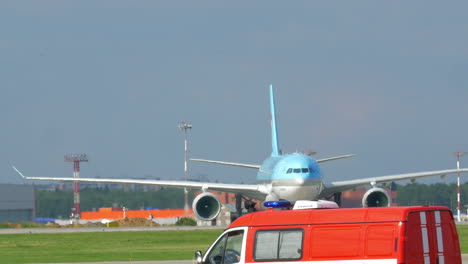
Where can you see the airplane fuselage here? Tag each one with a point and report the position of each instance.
(291, 177)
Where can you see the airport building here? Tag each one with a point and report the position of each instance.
(17, 203)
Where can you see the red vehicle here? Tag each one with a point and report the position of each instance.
(396, 235)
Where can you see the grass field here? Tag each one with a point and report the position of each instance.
(103, 246)
(463, 237)
(117, 246)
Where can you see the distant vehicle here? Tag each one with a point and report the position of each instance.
(288, 177)
(391, 235)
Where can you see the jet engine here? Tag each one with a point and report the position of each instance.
(376, 197)
(206, 206)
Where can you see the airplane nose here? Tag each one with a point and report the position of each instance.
(300, 181)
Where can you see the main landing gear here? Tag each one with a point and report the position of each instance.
(336, 198)
(249, 205)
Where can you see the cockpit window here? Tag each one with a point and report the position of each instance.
(296, 170)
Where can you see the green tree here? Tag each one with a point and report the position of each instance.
(432, 194)
(58, 204)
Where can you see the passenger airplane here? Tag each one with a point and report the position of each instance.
(289, 177)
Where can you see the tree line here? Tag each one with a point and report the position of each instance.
(433, 194)
(58, 204)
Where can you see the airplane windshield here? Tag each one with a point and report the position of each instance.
(298, 170)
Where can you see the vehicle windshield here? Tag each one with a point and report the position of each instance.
(227, 250)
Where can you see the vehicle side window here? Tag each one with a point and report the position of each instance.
(305, 170)
(227, 250)
(285, 244)
(297, 170)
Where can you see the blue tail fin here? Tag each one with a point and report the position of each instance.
(274, 134)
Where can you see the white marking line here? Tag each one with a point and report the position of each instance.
(440, 239)
(425, 238)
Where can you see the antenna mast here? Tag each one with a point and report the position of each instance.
(76, 159)
(458, 154)
(184, 126)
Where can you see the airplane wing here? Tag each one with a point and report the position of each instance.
(339, 186)
(254, 166)
(335, 158)
(251, 166)
(250, 190)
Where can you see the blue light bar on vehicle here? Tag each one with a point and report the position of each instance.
(277, 204)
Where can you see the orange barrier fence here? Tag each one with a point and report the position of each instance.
(119, 214)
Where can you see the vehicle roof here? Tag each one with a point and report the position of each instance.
(324, 216)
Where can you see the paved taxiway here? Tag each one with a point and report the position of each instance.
(101, 229)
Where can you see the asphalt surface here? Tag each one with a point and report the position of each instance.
(101, 229)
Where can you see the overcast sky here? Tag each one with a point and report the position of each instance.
(385, 80)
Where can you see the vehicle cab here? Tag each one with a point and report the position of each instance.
(229, 248)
